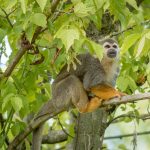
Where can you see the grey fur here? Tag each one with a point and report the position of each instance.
(70, 87)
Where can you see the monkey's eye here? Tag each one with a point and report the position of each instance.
(107, 46)
(114, 46)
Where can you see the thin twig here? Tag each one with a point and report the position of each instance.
(117, 33)
(129, 28)
(7, 17)
(53, 8)
(126, 135)
(63, 128)
(56, 55)
(142, 117)
(12, 11)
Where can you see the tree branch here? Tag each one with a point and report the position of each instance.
(117, 119)
(14, 62)
(59, 136)
(23, 50)
(7, 17)
(54, 137)
(53, 112)
(127, 99)
(54, 5)
(129, 28)
(63, 128)
(126, 135)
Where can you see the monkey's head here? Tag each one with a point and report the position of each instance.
(111, 49)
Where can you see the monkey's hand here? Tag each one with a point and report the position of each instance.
(106, 92)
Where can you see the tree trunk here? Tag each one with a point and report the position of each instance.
(90, 129)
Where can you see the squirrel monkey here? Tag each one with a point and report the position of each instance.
(84, 88)
(92, 77)
(71, 88)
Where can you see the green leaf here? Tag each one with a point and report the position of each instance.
(39, 19)
(81, 10)
(8, 88)
(6, 100)
(24, 5)
(11, 3)
(42, 4)
(99, 3)
(132, 84)
(120, 11)
(122, 83)
(129, 41)
(30, 31)
(68, 36)
(140, 46)
(16, 103)
(147, 35)
(78, 45)
(15, 129)
(97, 48)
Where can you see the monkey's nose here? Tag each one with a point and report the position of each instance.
(111, 53)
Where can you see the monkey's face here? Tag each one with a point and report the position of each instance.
(110, 50)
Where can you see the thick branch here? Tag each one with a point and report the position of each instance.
(127, 99)
(59, 136)
(126, 135)
(54, 137)
(14, 62)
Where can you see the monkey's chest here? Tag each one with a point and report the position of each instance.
(110, 74)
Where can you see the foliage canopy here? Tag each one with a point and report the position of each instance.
(57, 33)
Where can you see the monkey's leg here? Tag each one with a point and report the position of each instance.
(106, 92)
(92, 105)
(74, 93)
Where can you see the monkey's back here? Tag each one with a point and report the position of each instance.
(90, 71)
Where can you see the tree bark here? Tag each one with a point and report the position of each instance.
(90, 129)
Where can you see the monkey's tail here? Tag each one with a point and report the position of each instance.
(48, 111)
(37, 138)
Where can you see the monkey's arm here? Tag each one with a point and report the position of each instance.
(95, 80)
(101, 92)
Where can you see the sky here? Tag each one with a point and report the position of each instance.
(8, 52)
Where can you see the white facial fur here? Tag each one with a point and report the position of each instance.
(110, 64)
(107, 46)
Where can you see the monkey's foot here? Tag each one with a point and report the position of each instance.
(106, 92)
(93, 104)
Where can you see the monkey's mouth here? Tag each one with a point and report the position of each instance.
(112, 54)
